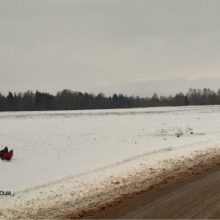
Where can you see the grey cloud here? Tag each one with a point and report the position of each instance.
(82, 44)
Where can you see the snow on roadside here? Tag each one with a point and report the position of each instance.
(76, 195)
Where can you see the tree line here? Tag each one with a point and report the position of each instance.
(72, 100)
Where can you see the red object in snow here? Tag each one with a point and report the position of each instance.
(7, 155)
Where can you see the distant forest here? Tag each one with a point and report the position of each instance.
(71, 100)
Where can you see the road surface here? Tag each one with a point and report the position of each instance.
(196, 197)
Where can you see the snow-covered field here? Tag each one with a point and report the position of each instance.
(51, 146)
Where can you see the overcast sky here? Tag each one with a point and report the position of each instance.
(131, 46)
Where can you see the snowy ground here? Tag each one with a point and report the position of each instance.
(53, 146)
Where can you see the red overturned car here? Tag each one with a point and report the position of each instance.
(5, 154)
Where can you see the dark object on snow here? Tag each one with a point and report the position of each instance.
(5, 150)
(7, 155)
